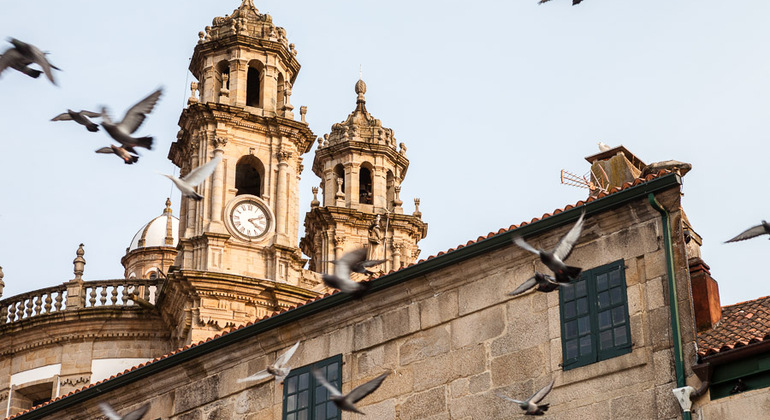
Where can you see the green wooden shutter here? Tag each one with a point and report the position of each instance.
(306, 399)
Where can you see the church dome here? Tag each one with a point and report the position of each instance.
(161, 231)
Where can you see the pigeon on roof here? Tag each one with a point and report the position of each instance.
(134, 415)
(353, 261)
(80, 118)
(122, 153)
(603, 147)
(346, 402)
(277, 369)
(134, 118)
(22, 55)
(554, 260)
(188, 182)
(544, 283)
(761, 229)
(531, 406)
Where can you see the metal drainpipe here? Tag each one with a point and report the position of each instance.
(673, 306)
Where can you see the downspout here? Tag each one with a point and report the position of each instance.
(673, 306)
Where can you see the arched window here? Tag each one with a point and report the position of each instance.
(280, 98)
(249, 172)
(340, 172)
(390, 194)
(253, 84)
(365, 191)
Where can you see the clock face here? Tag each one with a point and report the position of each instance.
(250, 219)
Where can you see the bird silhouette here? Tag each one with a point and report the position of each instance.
(530, 405)
(544, 283)
(761, 229)
(122, 153)
(277, 369)
(554, 260)
(22, 55)
(347, 402)
(134, 415)
(353, 261)
(80, 118)
(133, 119)
(187, 183)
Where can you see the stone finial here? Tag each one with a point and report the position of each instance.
(201, 37)
(79, 262)
(397, 201)
(326, 140)
(313, 204)
(293, 50)
(224, 91)
(320, 141)
(167, 210)
(2, 283)
(360, 90)
(193, 99)
(402, 149)
(303, 113)
(417, 211)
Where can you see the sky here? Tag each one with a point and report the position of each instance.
(492, 99)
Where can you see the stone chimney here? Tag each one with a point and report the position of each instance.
(705, 295)
(612, 168)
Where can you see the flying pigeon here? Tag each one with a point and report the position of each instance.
(80, 118)
(22, 55)
(134, 415)
(277, 369)
(554, 260)
(603, 147)
(354, 261)
(544, 283)
(361, 265)
(531, 406)
(134, 118)
(188, 183)
(122, 153)
(749, 233)
(346, 402)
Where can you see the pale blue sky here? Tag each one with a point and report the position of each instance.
(492, 98)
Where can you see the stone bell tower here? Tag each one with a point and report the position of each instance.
(361, 171)
(238, 246)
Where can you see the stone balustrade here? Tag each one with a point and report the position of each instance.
(93, 294)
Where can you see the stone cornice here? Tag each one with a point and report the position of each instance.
(242, 41)
(328, 153)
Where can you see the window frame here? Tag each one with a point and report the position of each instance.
(313, 388)
(593, 289)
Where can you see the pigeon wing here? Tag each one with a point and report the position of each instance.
(40, 59)
(511, 399)
(138, 413)
(530, 283)
(199, 174)
(90, 114)
(371, 263)
(539, 395)
(65, 116)
(321, 380)
(362, 391)
(135, 116)
(105, 150)
(566, 243)
(255, 377)
(284, 358)
(520, 242)
(749, 233)
(109, 412)
(343, 266)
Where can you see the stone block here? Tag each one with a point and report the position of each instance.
(400, 322)
(341, 340)
(196, 394)
(425, 344)
(478, 327)
(381, 410)
(655, 264)
(469, 361)
(438, 309)
(635, 299)
(660, 326)
(519, 366)
(459, 387)
(368, 333)
(399, 382)
(640, 404)
(480, 383)
(656, 297)
(432, 372)
(481, 293)
(423, 405)
(482, 406)
(376, 359)
(524, 328)
(666, 405)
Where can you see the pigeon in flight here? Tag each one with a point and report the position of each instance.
(544, 283)
(554, 260)
(134, 118)
(353, 261)
(360, 265)
(80, 118)
(531, 406)
(122, 153)
(749, 233)
(22, 55)
(134, 415)
(188, 182)
(277, 369)
(346, 402)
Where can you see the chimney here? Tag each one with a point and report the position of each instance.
(613, 167)
(705, 295)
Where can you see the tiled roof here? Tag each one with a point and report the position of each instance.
(614, 190)
(741, 324)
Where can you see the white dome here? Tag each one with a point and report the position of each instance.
(161, 231)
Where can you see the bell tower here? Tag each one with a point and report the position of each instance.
(248, 220)
(361, 171)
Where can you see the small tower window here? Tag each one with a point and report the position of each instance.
(248, 176)
(252, 87)
(390, 195)
(223, 79)
(339, 171)
(281, 95)
(365, 193)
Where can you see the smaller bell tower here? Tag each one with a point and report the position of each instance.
(361, 170)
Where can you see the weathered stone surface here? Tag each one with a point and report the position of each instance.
(478, 327)
(368, 333)
(459, 387)
(196, 394)
(469, 361)
(438, 309)
(398, 383)
(401, 321)
(524, 328)
(432, 372)
(655, 295)
(480, 383)
(481, 293)
(519, 366)
(381, 410)
(636, 405)
(482, 406)
(663, 365)
(425, 344)
(423, 405)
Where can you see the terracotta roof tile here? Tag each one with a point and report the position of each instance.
(742, 324)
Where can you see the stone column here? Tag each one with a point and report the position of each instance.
(217, 186)
(2, 283)
(397, 256)
(339, 241)
(281, 201)
(76, 296)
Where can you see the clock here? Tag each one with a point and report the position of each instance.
(250, 218)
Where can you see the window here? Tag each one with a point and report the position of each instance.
(305, 399)
(248, 176)
(365, 195)
(594, 316)
(252, 87)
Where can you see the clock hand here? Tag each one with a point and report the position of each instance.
(252, 221)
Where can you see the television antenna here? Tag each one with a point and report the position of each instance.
(601, 184)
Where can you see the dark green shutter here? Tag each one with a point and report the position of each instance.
(306, 399)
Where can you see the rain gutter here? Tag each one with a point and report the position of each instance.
(481, 246)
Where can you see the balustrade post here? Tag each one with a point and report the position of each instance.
(76, 298)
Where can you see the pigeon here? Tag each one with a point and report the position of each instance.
(531, 406)
(749, 233)
(277, 369)
(360, 266)
(354, 261)
(22, 55)
(134, 415)
(554, 260)
(80, 118)
(134, 118)
(188, 182)
(603, 147)
(122, 153)
(346, 402)
(544, 283)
